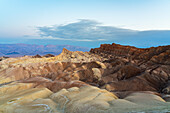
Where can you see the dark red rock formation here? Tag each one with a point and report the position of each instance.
(49, 55)
(2, 58)
(159, 54)
(135, 69)
(37, 56)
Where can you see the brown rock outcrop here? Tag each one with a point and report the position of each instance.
(49, 55)
(77, 56)
(159, 54)
(37, 56)
(135, 69)
(3, 58)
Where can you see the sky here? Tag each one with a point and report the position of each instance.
(28, 18)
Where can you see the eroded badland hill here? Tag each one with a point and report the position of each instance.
(109, 79)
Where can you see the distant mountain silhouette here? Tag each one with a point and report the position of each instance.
(15, 50)
(12, 53)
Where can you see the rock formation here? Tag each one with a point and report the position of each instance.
(3, 58)
(112, 79)
(134, 69)
(48, 55)
(37, 56)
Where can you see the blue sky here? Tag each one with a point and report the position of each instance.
(19, 18)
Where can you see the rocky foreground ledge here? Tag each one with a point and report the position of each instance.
(109, 79)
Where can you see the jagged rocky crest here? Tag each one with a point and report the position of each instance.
(159, 55)
(138, 69)
(112, 78)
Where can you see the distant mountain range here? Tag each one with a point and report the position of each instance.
(15, 50)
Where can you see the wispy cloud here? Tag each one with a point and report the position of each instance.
(90, 33)
(54, 38)
(83, 30)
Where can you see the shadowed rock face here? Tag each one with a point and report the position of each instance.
(37, 56)
(159, 55)
(127, 78)
(134, 69)
(48, 55)
(3, 58)
(56, 85)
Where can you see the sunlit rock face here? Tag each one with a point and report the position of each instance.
(111, 79)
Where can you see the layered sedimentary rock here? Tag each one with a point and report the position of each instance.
(112, 78)
(155, 54)
(135, 69)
